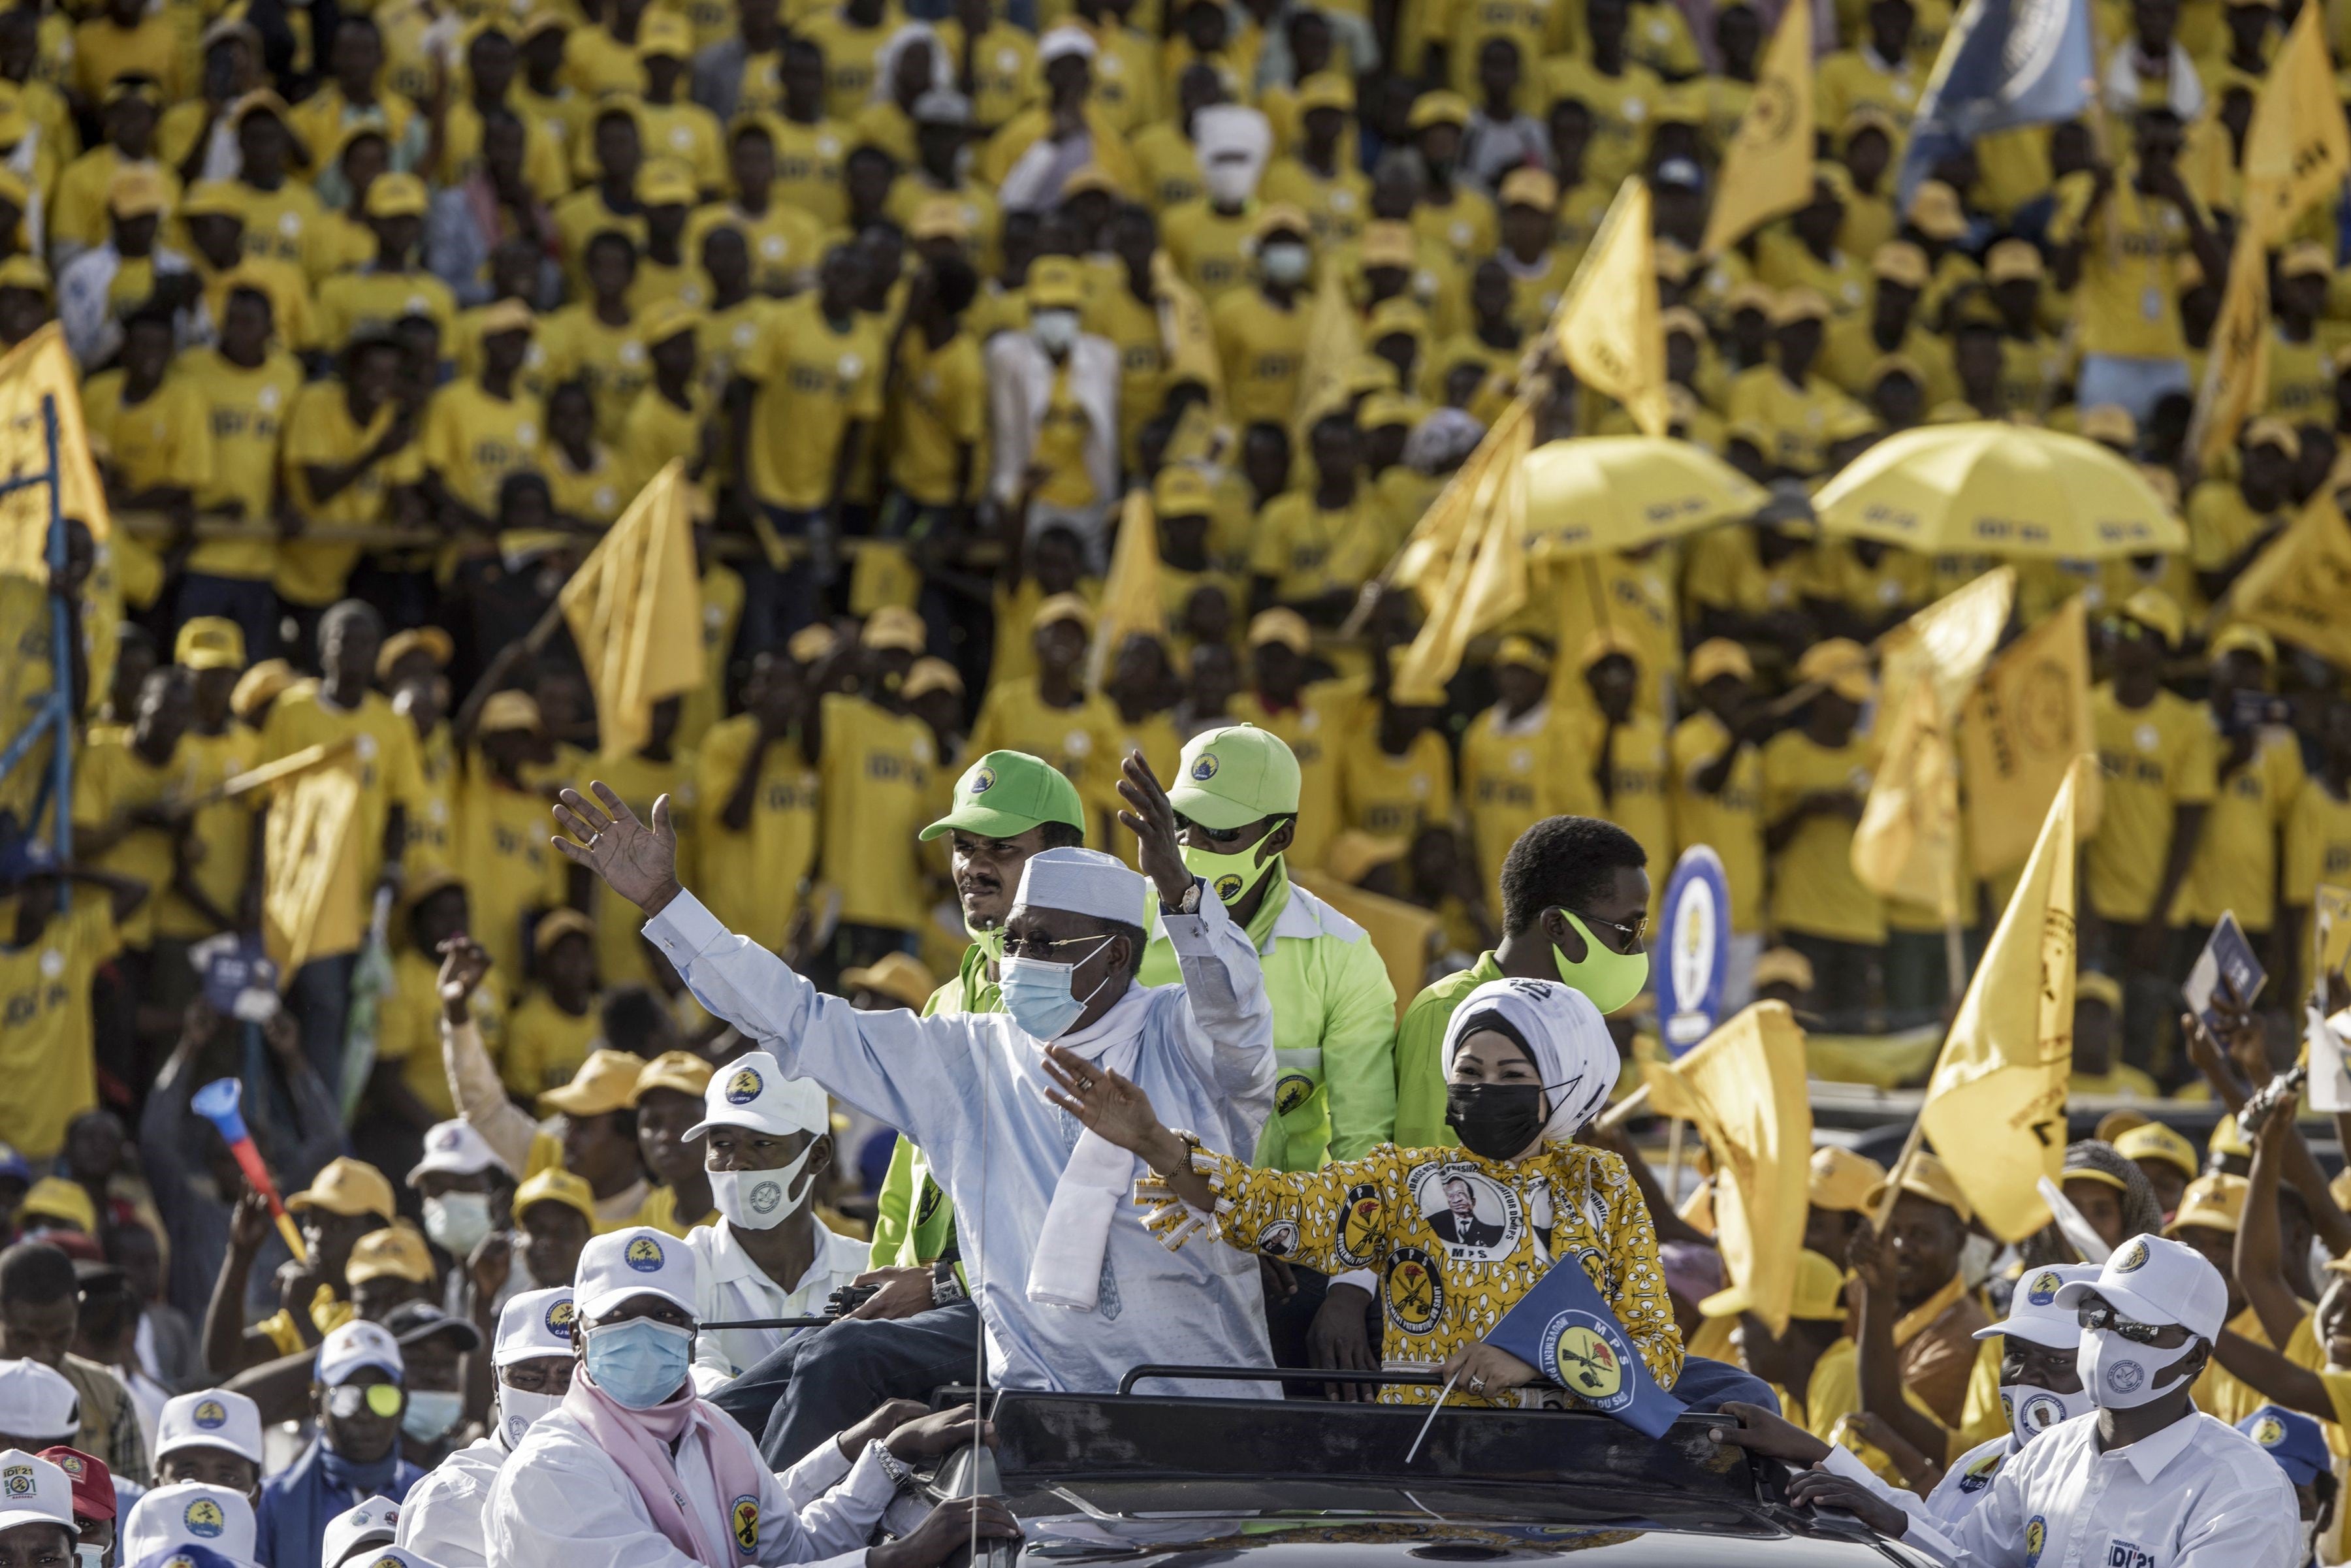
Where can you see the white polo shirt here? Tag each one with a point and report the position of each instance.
(2198, 1494)
(733, 1287)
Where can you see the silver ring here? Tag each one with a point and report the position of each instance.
(1478, 1386)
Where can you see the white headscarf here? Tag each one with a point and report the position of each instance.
(912, 35)
(1565, 1034)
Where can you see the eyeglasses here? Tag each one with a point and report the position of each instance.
(1633, 936)
(1031, 947)
(2130, 1329)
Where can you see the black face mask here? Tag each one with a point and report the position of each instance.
(1495, 1120)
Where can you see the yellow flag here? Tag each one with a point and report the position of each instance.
(2298, 147)
(635, 610)
(310, 868)
(2330, 940)
(1995, 1107)
(2019, 733)
(1129, 595)
(1607, 328)
(2296, 588)
(1334, 342)
(1951, 640)
(1744, 1086)
(1486, 580)
(1186, 337)
(1428, 550)
(36, 369)
(2237, 375)
(1767, 169)
(1907, 845)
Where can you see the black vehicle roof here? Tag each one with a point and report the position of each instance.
(1180, 1480)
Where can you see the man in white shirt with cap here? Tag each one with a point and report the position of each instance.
(766, 1140)
(1073, 1290)
(636, 1471)
(189, 1514)
(531, 1359)
(38, 1409)
(36, 1517)
(2144, 1481)
(212, 1436)
(465, 1190)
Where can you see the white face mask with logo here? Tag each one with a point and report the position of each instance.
(2123, 1375)
(518, 1408)
(760, 1200)
(2032, 1410)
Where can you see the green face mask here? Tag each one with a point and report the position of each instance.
(1231, 876)
(1611, 979)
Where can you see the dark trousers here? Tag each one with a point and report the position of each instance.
(321, 999)
(823, 1381)
(1840, 977)
(252, 603)
(779, 600)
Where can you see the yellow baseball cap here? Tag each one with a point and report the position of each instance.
(1899, 261)
(1180, 490)
(812, 643)
(2153, 1141)
(1838, 1178)
(1530, 187)
(2111, 423)
(664, 33)
(898, 975)
(680, 1070)
(1326, 89)
(939, 217)
(1607, 642)
(2242, 638)
(1523, 651)
(397, 195)
(1928, 1177)
(2215, 1202)
(1786, 966)
(55, 1197)
(347, 1186)
(24, 272)
(2157, 611)
(1841, 664)
(555, 923)
(1054, 284)
(606, 1082)
(1281, 217)
(1819, 1293)
(929, 675)
(666, 184)
(1935, 210)
(2229, 1140)
(137, 190)
(1720, 656)
(429, 641)
(2012, 259)
(508, 315)
(2089, 985)
(1799, 304)
(895, 627)
(1389, 243)
(2271, 430)
(1286, 627)
(210, 642)
(397, 1250)
(555, 1185)
(1063, 607)
(2306, 257)
(259, 684)
(505, 711)
(1439, 109)
(665, 318)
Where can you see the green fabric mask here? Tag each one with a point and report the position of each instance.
(1231, 876)
(1610, 978)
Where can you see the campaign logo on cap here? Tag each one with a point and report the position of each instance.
(745, 1517)
(561, 1316)
(741, 1090)
(212, 1416)
(203, 1519)
(644, 1255)
(1204, 767)
(183, 1560)
(2268, 1432)
(983, 781)
(2131, 1256)
(2045, 1288)
(2036, 1536)
(71, 1464)
(16, 1480)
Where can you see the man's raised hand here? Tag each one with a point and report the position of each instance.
(637, 862)
(1152, 820)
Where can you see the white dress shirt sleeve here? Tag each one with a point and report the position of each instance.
(441, 1519)
(839, 1522)
(1230, 1018)
(819, 1470)
(1922, 1531)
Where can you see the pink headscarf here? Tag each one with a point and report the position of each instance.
(640, 1442)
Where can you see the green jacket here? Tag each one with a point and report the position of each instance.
(1333, 1030)
(913, 1221)
(1420, 1056)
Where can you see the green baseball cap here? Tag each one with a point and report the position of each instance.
(1231, 777)
(1006, 794)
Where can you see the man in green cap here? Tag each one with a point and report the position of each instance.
(1236, 796)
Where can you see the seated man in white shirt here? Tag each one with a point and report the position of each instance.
(1073, 1290)
(531, 1361)
(636, 1471)
(2145, 1479)
(766, 1140)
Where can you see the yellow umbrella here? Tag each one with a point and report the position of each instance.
(1622, 492)
(1999, 489)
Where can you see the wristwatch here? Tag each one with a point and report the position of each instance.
(946, 1288)
(1191, 905)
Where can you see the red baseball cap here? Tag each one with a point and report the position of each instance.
(93, 1483)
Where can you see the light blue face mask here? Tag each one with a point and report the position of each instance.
(1041, 996)
(640, 1362)
(431, 1413)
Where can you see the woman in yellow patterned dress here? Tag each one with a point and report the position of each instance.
(1454, 1237)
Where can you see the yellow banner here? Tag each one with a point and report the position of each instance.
(1907, 845)
(2330, 917)
(1767, 169)
(1428, 550)
(2237, 376)
(1951, 640)
(1186, 336)
(1129, 595)
(1485, 581)
(2298, 147)
(39, 368)
(1334, 342)
(2019, 733)
(310, 868)
(1607, 329)
(1995, 1107)
(2296, 588)
(635, 611)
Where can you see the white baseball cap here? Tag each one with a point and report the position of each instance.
(34, 1492)
(189, 1514)
(2157, 1281)
(533, 1324)
(37, 1402)
(635, 1261)
(392, 1557)
(376, 1522)
(212, 1418)
(2034, 1312)
(752, 1091)
(455, 1149)
(356, 1346)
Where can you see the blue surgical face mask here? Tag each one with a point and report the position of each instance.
(640, 1362)
(1041, 996)
(431, 1413)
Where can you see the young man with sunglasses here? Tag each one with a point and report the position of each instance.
(2146, 1480)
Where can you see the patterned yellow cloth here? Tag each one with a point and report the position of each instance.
(1455, 1240)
